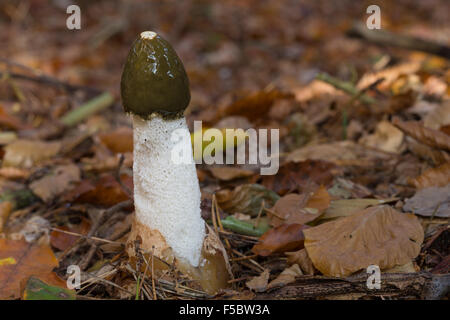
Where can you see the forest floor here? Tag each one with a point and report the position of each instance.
(364, 147)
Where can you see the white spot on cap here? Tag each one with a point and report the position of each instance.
(149, 35)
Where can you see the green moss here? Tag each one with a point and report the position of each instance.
(154, 80)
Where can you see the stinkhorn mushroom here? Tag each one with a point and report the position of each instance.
(168, 222)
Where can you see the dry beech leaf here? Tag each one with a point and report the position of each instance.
(339, 153)
(301, 258)
(434, 177)
(297, 208)
(300, 176)
(319, 200)
(60, 180)
(253, 106)
(259, 283)
(230, 173)
(119, 140)
(62, 240)
(286, 237)
(431, 137)
(386, 138)
(315, 89)
(347, 207)
(405, 268)
(436, 156)
(14, 173)
(19, 260)
(246, 199)
(389, 75)
(287, 276)
(27, 153)
(439, 117)
(377, 235)
(106, 191)
(429, 202)
(10, 121)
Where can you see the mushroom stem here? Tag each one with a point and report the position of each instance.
(168, 224)
(167, 193)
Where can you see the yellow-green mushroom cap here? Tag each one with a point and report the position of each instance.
(153, 79)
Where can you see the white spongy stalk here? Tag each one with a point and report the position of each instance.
(166, 193)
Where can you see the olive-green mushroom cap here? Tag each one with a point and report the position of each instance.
(153, 79)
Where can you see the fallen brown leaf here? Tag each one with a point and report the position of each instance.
(119, 140)
(14, 173)
(106, 191)
(62, 241)
(431, 137)
(27, 153)
(287, 276)
(60, 180)
(10, 121)
(434, 177)
(298, 208)
(300, 176)
(19, 260)
(286, 237)
(439, 117)
(253, 106)
(301, 258)
(429, 202)
(259, 283)
(347, 207)
(386, 138)
(230, 173)
(339, 153)
(378, 235)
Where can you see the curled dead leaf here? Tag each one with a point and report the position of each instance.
(27, 153)
(106, 191)
(230, 173)
(287, 276)
(434, 177)
(259, 283)
(301, 258)
(58, 181)
(386, 138)
(296, 208)
(377, 235)
(429, 202)
(286, 237)
(431, 137)
(19, 260)
(119, 140)
(300, 176)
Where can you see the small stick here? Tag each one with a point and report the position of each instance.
(119, 180)
(219, 220)
(244, 258)
(383, 37)
(346, 87)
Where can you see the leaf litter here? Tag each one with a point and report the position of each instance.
(364, 153)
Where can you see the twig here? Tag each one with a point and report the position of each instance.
(85, 237)
(51, 81)
(346, 87)
(422, 284)
(383, 37)
(119, 180)
(219, 221)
